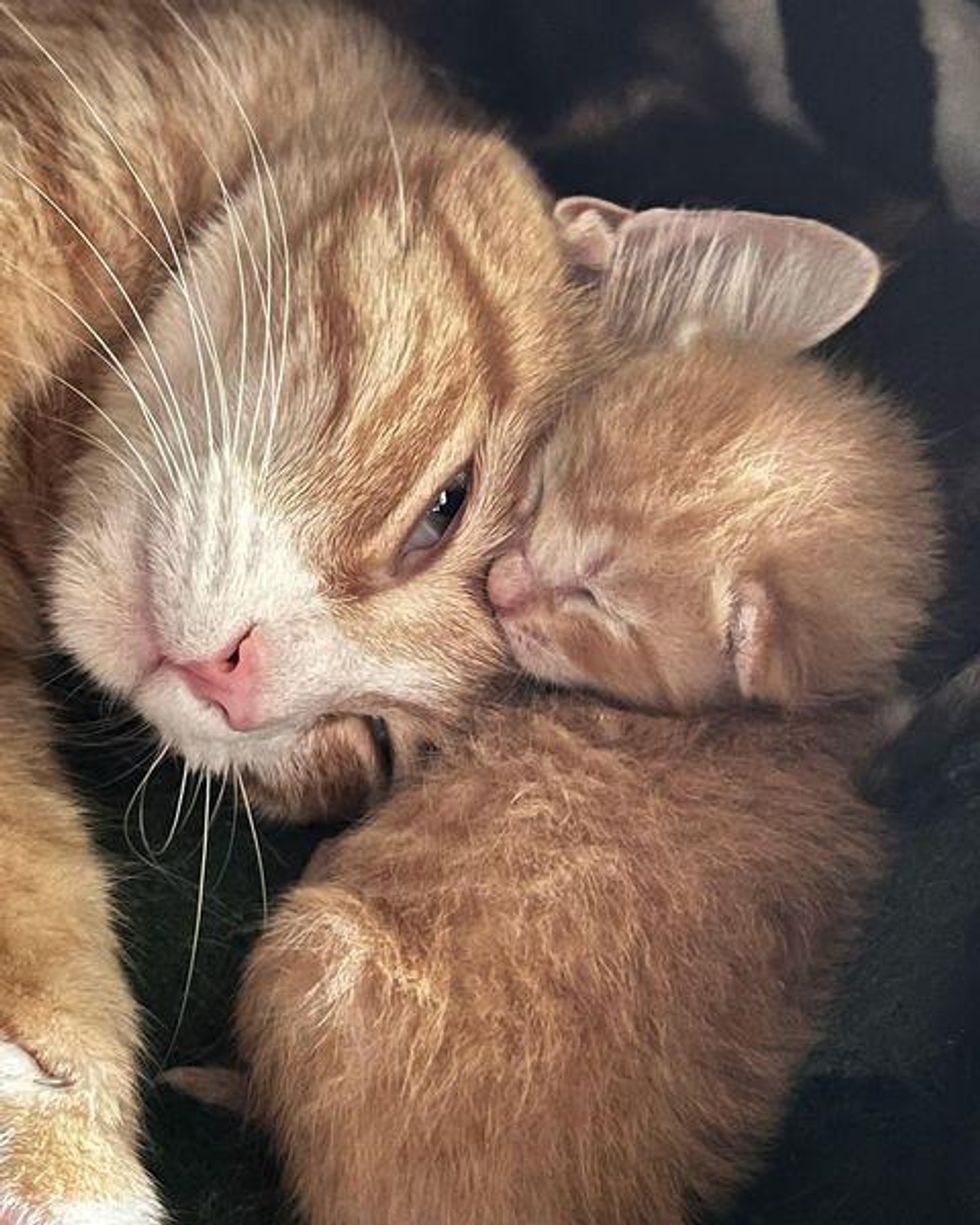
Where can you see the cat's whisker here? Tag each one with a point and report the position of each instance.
(232, 834)
(178, 809)
(107, 784)
(262, 176)
(153, 495)
(107, 132)
(399, 177)
(115, 365)
(284, 325)
(265, 301)
(198, 920)
(176, 275)
(239, 235)
(146, 855)
(256, 844)
(167, 394)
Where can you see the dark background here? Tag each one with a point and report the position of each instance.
(885, 1126)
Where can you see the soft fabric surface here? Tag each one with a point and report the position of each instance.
(886, 1122)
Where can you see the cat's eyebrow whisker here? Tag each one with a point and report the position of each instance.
(263, 175)
(240, 239)
(399, 176)
(265, 297)
(256, 844)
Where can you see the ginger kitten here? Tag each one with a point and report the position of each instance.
(725, 518)
(568, 977)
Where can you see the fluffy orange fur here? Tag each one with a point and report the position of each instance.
(566, 978)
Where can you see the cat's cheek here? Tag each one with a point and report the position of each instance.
(96, 600)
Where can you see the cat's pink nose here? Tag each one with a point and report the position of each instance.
(511, 583)
(229, 680)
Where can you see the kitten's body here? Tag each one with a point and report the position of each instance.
(569, 977)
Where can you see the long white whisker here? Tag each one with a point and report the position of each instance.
(106, 350)
(256, 149)
(199, 323)
(178, 808)
(107, 132)
(217, 365)
(142, 804)
(256, 844)
(399, 176)
(198, 919)
(168, 395)
(232, 834)
(137, 796)
(154, 495)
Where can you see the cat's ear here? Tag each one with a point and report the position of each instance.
(767, 650)
(668, 274)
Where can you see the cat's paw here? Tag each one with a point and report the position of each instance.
(65, 1159)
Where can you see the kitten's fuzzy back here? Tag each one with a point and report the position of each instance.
(568, 977)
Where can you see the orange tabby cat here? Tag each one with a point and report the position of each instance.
(272, 315)
(568, 977)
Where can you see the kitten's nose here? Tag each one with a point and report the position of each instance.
(229, 680)
(511, 583)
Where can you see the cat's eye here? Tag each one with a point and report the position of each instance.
(439, 518)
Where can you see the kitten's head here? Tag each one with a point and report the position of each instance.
(286, 519)
(723, 519)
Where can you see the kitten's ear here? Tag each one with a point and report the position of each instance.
(589, 229)
(667, 274)
(768, 655)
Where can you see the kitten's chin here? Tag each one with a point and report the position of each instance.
(536, 655)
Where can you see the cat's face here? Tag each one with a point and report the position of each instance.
(297, 524)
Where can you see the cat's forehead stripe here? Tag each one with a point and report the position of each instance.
(485, 320)
(458, 391)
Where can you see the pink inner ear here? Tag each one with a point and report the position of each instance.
(588, 228)
(753, 620)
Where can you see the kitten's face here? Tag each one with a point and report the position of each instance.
(717, 523)
(301, 532)
(607, 588)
